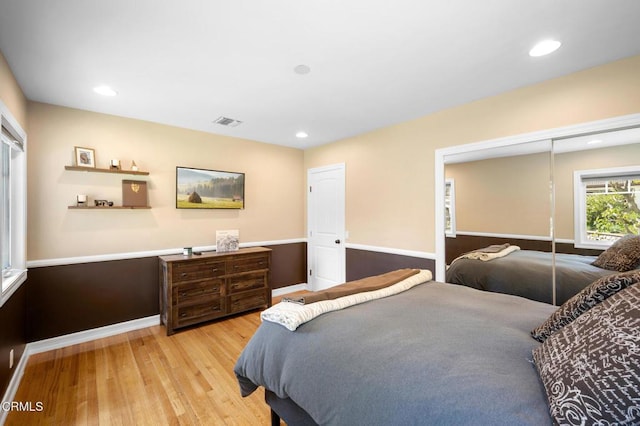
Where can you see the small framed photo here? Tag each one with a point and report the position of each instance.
(227, 240)
(85, 157)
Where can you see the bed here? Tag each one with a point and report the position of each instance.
(528, 273)
(440, 353)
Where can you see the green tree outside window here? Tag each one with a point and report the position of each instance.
(613, 209)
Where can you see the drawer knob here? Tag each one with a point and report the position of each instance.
(184, 274)
(214, 270)
(183, 314)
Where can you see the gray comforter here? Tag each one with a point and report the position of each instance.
(436, 354)
(528, 274)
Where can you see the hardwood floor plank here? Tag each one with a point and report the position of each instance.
(144, 377)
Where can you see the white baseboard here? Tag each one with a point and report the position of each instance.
(498, 235)
(68, 340)
(93, 334)
(289, 289)
(14, 383)
(390, 250)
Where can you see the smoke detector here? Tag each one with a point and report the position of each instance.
(226, 121)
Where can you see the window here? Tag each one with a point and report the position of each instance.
(450, 208)
(13, 165)
(607, 205)
(6, 202)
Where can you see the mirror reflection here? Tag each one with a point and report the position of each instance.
(502, 206)
(541, 219)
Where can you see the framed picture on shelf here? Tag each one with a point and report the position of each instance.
(85, 157)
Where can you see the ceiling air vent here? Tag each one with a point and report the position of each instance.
(225, 121)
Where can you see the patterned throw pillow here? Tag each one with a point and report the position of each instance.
(590, 296)
(623, 255)
(591, 368)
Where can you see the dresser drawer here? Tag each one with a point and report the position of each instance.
(192, 291)
(247, 281)
(249, 300)
(211, 309)
(248, 263)
(197, 270)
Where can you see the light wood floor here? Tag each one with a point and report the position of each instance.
(144, 377)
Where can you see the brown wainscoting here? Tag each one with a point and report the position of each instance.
(569, 248)
(71, 298)
(288, 264)
(364, 263)
(12, 318)
(461, 244)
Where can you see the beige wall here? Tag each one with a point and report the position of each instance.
(390, 172)
(509, 195)
(11, 93)
(274, 186)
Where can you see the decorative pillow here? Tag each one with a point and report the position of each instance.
(623, 255)
(591, 368)
(590, 296)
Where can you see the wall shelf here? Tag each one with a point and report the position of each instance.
(93, 169)
(114, 171)
(108, 208)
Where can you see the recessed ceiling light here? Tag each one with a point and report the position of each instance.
(544, 48)
(301, 135)
(302, 69)
(105, 91)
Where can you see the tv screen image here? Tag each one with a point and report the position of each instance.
(208, 189)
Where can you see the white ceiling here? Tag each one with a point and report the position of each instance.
(373, 62)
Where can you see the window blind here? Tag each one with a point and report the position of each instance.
(617, 179)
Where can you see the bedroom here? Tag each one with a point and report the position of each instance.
(58, 238)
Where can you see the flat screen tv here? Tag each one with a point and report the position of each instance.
(208, 189)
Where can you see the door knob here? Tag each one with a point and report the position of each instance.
(337, 241)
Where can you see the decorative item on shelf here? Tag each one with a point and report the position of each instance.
(187, 251)
(134, 193)
(134, 166)
(103, 203)
(227, 240)
(114, 165)
(81, 200)
(85, 157)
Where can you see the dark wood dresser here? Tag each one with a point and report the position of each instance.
(199, 288)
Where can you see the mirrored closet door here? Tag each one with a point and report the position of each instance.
(562, 196)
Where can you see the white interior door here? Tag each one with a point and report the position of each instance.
(326, 223)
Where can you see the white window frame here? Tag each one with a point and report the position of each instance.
(451, 230)
(13, 277)
(580, 202)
